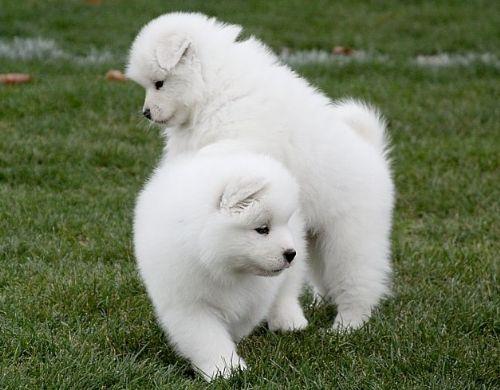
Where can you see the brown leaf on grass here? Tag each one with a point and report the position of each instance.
(14, 78)
(115, 75)
(342, 51)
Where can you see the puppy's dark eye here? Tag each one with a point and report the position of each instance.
(264, 229)
(158, 84)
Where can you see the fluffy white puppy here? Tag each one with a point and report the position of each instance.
(205, 85)
(219, 244)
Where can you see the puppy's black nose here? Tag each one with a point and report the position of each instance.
(147, 113)
(289, 255)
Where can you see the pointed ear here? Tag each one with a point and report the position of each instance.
(240, 194)
(233, 31)
(170, 51)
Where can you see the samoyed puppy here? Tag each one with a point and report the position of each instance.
(220, 246)
(203, 85)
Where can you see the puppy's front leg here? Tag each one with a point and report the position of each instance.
(286, 313)
(202, 338)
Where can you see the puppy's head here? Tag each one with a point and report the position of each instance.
(166, 59)
(256, 229)
(166, 66)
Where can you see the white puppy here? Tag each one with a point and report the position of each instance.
(204, 85)
(214, 235)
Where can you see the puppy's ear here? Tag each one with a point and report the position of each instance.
(240, 194)
(233, 31)
(170, 51)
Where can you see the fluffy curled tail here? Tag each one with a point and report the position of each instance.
(364, 120)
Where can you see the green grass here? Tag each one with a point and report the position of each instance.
(74, 153)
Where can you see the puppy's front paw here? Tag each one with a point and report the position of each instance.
(224, 367)
(286, 319)
(347, 321)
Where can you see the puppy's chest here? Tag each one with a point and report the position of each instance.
(249, 301)
(187, 140)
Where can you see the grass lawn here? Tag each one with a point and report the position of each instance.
(74, 152)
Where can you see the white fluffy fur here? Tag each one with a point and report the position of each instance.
(211, 277)
(216, 88)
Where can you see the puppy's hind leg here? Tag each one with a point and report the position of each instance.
(200, 337)
(316, 270)
(286, 313)
(355, 255)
